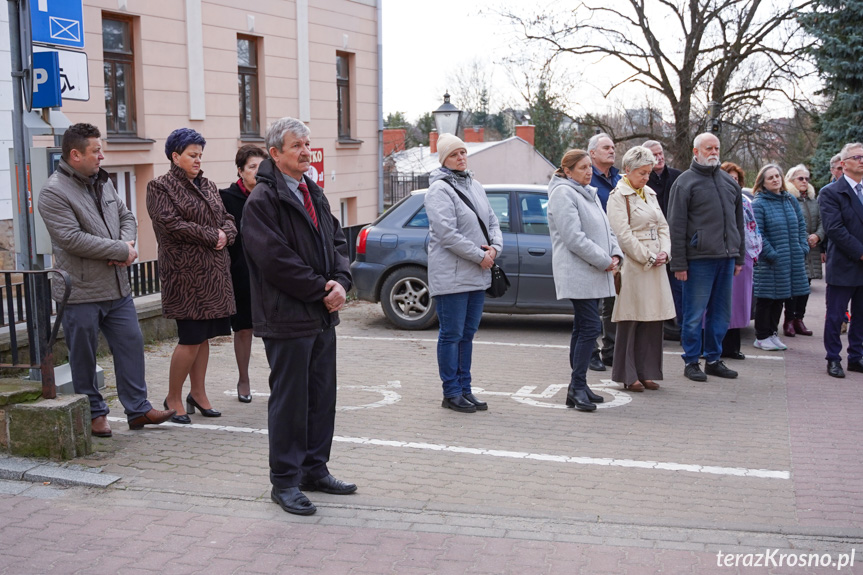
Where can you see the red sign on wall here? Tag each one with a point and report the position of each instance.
(316, 170)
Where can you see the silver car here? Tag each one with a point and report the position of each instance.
(392, 258)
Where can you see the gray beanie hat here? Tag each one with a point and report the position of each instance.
(446, 145)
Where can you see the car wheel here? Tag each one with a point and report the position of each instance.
(406, 300)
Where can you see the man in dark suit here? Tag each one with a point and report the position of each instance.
(661, 179)
(842, 215)
(299, 275)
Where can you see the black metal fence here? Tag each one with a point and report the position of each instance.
(144, 278)
(398, 186)
(31, 299)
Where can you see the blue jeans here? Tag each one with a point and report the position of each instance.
(707, 289)
(458, 315)
(586, 327)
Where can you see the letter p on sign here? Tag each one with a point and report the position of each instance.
(46, 80)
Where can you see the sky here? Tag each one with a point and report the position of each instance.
(424, 41)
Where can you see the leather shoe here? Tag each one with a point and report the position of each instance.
(594, 397)
(152, 417)
(855, 365)
(834, 369)
(243, 398)
(719, 369)
(458, 403)
(800, 327)
(596, 363)
(329, 484)
(579, 400)
(734, 355)
(292, 500)
(480, 405)
(182, 419)
(99, 426)
(650, 384)
(788, 328)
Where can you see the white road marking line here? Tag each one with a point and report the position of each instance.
(530, 345)
(660, 465)
(390, 397)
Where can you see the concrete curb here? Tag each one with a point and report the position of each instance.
(21, 469)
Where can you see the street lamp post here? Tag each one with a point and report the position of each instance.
(447, 117)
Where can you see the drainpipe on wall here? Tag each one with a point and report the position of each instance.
(380, 112)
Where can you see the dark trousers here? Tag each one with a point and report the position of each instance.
(731, 342)
(795, 307)
(837, 303)
(118, 322)
(586, 327)
(302, 407)
(608, 329)
(767, 314)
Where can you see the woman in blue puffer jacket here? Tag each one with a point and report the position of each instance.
(780, 272)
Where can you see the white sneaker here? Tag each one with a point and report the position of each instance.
(767, 344)
(778, 342)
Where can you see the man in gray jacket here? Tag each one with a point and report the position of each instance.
(705, 215)
(93, 234)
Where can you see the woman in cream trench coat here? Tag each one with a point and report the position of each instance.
(645, 299)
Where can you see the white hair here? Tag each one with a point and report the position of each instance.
(593, 143)
(700, 138)
(835, 160)
(651, 143)
(637, 157)
(848, 147)
(796, 170)
(277, 130)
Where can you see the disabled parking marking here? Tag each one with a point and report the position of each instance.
(567, 459)
(389, 396)
(529, 345)
(526, 396)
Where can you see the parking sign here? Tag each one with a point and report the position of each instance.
(58, 22)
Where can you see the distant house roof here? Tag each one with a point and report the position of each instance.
(419, 161)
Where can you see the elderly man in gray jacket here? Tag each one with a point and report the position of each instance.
(93, 234)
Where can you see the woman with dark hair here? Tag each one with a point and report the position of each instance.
(249, 157)
(780, 272)
(192, 228)
(741, 286)
(584, 256)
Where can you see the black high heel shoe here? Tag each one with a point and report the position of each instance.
(579, 400)
(243, 398)
(191, 404)
(183, 419)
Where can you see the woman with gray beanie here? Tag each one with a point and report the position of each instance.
(459, 263)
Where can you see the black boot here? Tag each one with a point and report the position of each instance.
(578, 399)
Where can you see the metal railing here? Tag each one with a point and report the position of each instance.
(33, 303)
(397, 186)
(144, 278)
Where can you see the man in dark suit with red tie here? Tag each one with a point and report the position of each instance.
(299, 272)
(841, 205)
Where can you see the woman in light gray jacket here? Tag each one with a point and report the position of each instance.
(458, 267)
(585, 255)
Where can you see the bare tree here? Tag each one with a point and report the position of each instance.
(741, 55)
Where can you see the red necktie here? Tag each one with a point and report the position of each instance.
(307, 203)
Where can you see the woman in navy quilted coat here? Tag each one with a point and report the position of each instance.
(780, 272)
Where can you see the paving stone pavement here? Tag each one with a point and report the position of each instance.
(658, 482)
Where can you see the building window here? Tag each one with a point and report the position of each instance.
(343, 83)
(119, 76)
(247, 79)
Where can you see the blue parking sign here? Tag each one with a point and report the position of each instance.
(46, 80)
(58, 22)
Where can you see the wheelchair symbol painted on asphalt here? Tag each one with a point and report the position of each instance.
(527, 396)
(389, 396)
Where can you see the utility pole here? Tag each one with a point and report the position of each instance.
(20, 48)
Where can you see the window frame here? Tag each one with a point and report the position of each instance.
(249, 73)
(343, 97)
(127, 60)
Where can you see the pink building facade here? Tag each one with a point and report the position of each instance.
(227, 69)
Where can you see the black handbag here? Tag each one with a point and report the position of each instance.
(499, 281)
